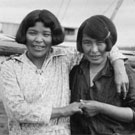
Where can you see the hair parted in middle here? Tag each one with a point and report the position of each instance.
(100, 28)
(48, 19)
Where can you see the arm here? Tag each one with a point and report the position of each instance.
(73, 57)
(121, 78)
(119, 113)
(92, 108)
(67, 110)
(124, 113)
(26, 112)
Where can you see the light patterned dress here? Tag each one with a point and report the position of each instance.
(29, 94)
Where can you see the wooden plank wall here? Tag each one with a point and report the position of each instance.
(9, 48)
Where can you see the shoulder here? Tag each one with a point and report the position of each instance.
(60, 50)
(69, 54)
(76, 70)
(9, 62)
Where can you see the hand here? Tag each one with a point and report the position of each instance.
(122, 83)
(73, 108)
(90, 107)
(121, 78)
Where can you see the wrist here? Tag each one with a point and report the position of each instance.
(101, 108)
(65, 111)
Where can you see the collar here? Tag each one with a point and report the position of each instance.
(107, 71)
(55, 52)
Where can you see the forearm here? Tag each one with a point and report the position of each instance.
(117, 60)
(66, 110)
(58, 112)
(119, 67)
(119, 113)
(115, 54)
(121, 78)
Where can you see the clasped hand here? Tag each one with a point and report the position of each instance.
(89, 108)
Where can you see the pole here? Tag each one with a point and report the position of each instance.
(119, 3)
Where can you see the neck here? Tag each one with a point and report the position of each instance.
(38, 62)
(95, 68)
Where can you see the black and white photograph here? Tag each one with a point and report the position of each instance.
(67, 67)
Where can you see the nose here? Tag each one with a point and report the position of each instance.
(94, 48)
(39, 38)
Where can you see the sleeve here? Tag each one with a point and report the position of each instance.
(14, 100)
(133, 116)
(130, 99)
(115, 54)
(74, 57)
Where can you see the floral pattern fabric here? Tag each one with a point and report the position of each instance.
(30, 93)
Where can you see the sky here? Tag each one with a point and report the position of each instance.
(72, 13)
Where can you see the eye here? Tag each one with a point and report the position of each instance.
(86, 42)
(99, 43)
(32, 32)
(46, 34)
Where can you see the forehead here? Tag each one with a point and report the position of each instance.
(39, 26)
(86, 37)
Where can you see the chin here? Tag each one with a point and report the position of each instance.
(39, 55)
(97, 62)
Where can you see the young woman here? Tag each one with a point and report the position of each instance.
(92, 83)
(36, 92)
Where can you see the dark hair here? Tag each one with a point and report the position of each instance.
(98, 27)
(48, 19)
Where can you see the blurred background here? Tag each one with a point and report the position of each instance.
(71, 14)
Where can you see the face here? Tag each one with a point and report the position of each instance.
(38, 40)
(94, 50)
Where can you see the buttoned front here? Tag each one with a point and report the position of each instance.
(104, 91)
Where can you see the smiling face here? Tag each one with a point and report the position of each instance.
(94, 51)
(38, 40)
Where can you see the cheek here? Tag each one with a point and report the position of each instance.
(102, 49)
(48, 40)
(86, 49)
(29, 39)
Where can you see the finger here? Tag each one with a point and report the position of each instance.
(84, 101)
(80, 111)
(127, 87)
(124, 91)
(82, 106)
(118, 86)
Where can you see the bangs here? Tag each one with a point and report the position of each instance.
(40, 16)
(96, 30)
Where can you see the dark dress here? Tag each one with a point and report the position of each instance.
(103, 90)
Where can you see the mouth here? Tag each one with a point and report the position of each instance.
(95, 57)
(38, 47)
